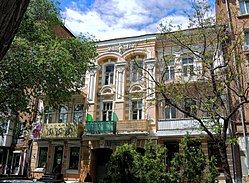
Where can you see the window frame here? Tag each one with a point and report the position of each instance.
(188, 67)
(77, 112)
(171, 111)
(169, 71)
(138, 111)
(246, 37)
(107, 111)
(110, 79)
(48, 114)
(244, 7)
(136, 73)
(70, 158)
(63, 114)
(39, 157)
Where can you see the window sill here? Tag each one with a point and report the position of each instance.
(241, 16)
(39, 170)
(72, 171)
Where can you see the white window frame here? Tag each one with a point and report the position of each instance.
(108, 110)
(189, 66)
(48, 114)
(136, 73)
(106, 64)
(244, 7)
(170, 71)
(139, 110)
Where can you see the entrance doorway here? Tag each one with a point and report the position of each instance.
(101, 158)
(58, 154)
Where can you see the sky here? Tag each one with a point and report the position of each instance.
(109, 19)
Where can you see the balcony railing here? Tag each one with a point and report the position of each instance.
(132, 126)
(100, 127)
(62, 130)
(178, 127)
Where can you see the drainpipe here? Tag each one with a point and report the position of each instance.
(242, 110)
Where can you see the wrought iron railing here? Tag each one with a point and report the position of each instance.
(100, 127)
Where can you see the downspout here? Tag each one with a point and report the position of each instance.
(242, 110)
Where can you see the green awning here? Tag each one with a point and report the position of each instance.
(89, 117)
(114, 117)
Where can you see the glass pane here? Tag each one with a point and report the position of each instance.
(42, 157)
(172, 73)
(247, 7)
(185, 71)
(78, 113)
(134, 114)
(63, 114)
(173, 112)
(247, 36)
(242, 7)
(167, 113)
(74, 157)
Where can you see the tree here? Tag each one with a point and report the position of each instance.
(41, 64)
(208, 85)
(11, 15)
(127, 165)
(191, 165)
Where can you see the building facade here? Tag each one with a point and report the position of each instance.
(235, 15)
(118, 105)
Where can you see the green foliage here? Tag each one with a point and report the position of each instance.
(123, 165)
(41, 63)
(190, 165)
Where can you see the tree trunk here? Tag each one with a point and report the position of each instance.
(11, 13)
(224, 160)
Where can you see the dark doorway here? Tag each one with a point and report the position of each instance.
(58, 154)
(101, 158)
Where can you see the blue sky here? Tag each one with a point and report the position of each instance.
(108, 19)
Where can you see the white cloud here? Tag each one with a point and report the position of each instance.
(107, 19)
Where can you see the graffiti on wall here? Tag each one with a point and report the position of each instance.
(55, 130)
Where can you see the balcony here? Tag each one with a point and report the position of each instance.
(62, 130)
(132, 126)
(177, 127)
(100, 127)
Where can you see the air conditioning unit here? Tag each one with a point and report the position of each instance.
(245, 48)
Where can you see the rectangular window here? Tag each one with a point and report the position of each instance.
(213, 150)
(48, 115)
(78, 113)
(172, 148)
(170, 71)
(107, 111)
(247, 38)
(137, 71)
(190, 107)
(170, 112)
(63, 113)
(43, 154)
(137, 109)
(244, 7)
(109, 74)
(188, 66)
(74, 158)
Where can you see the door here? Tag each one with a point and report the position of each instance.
(58, 154)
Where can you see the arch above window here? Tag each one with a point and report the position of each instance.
(106, 90)
(136, 88)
